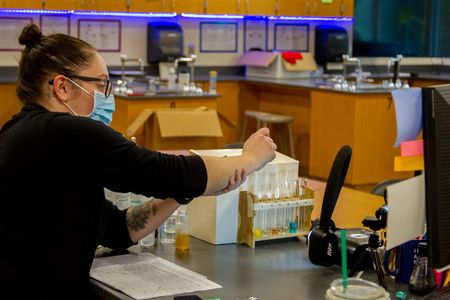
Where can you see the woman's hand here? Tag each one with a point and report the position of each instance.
(259, 149)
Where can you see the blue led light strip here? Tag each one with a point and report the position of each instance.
(123, 14)
(167, 15)
(35, 11)
(334, 19)
(86, 13)
(205, 16)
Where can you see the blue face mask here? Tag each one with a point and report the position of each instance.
(103, 106)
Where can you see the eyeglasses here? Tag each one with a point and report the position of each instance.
(105, 86)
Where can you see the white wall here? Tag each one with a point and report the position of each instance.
(134, 38)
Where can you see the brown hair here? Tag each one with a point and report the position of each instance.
(44, 56)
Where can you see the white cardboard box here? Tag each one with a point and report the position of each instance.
(272, 65)
(215, 218)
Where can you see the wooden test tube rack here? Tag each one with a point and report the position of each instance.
(250, 206)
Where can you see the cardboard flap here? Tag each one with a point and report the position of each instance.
(257, 59)
(306, 64)
(188, 123)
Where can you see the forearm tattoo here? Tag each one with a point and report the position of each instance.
(137, 216)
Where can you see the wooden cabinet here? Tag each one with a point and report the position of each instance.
(147, 6)
(228, 109)
(347, 8)
(72, 5)
(244, 7)
(365, 122)
(292, 7)
(223, 7)
(37, 4)
(315, 8)
(258, 7)
(335, 8)
(10, 103)
(190, 6)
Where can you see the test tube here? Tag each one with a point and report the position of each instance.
(292, 220)
(257, 223)
(265, 231)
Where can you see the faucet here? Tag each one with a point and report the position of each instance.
(396, 61)
(346, 59)
(124, 59)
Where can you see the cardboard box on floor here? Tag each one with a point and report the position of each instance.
(214, 219)
(178, 128)
(272, 65)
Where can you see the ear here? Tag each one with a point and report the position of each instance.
(61, 88)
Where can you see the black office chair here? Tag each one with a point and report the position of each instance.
(381, 188)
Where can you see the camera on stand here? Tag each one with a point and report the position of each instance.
(375, 224)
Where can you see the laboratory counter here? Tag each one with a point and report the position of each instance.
(274, 271)
(166, 95)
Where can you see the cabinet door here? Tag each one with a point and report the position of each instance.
(292, 7)
(259, 7)
(63, 5)
(108, 5)
(347, 8)
(336, 8)
(223, 7)
(320, 8)
(146, 5)
(190, 6)
(21, 4)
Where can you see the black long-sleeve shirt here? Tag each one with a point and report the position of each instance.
(53, 212)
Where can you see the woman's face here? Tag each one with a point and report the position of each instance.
(82, 102)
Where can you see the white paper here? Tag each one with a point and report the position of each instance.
(104, 35)
(218, 37)
(54, 24)
(255, 35)
(290, 37)
(10, 29)
(148, 276)
(406, 216)
(408, 112)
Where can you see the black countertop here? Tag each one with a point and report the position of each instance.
(278, 270)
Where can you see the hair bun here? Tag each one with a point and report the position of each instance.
(30, 35)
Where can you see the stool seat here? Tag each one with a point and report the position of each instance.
(264, 119)
(255, 113)
(273, 118)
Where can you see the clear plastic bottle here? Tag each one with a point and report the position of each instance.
(213, 82)
(172, 80)
(167, 230)
(422, 279)
(149, 240)
(181, 230)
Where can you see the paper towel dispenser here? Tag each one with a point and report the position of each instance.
(331, 43)
(165, 42)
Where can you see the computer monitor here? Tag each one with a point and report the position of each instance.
(436, 135)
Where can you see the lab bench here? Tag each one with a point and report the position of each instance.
(276, 270)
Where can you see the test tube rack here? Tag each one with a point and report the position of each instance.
(263, 220)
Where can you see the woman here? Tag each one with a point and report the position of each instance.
(56, 158)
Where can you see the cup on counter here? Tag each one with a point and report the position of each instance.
(357, 289)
